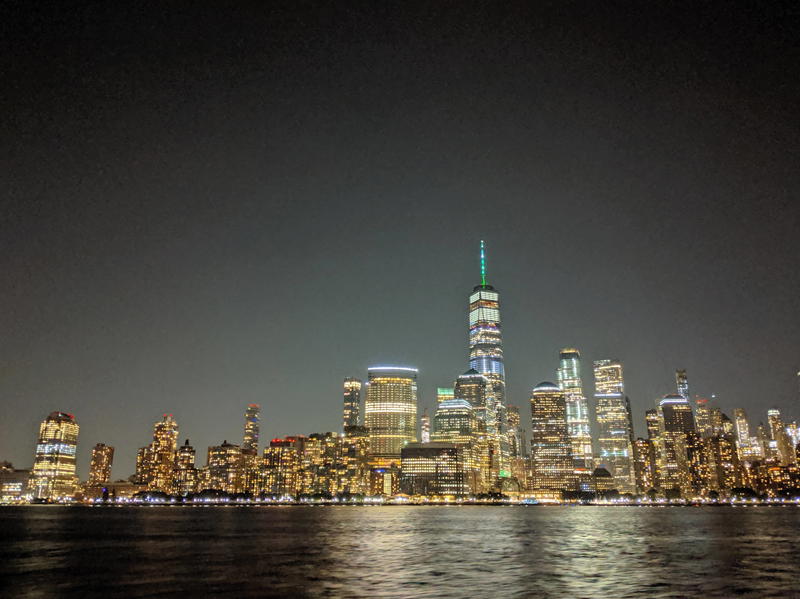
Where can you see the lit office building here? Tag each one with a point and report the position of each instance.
(517, 446)
(390, 411)
(613, 424)
(252, 419)
(444, 393)
(653, 422)
(225, 468)
(703, 417)
(677, 422)
(749, 448)
(100, 466)
(282, 466)
(186, 475)
(645, 465)
(569, 381)
(433, 469)
(13, 483)
(53, 475)
(455, 422)
(485, 340)
(477, 391)
(682, 383)
(352, 402)
(551, 455)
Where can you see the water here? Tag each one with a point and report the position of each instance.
(476, 551)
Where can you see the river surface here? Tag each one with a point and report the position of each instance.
(404, 551)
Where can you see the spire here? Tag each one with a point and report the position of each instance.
(483, 264)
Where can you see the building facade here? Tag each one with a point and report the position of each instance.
(390, 411)
(53, 475)
(570, 382)
(613, 424)
(552, 470)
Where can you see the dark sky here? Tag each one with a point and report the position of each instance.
(208, 205)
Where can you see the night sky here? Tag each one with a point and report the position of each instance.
(206, 206)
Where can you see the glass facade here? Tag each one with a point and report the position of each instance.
(569, 381)
(613, 424)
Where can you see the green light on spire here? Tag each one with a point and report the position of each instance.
(483, 264)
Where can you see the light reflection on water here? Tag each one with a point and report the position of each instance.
(404, 551)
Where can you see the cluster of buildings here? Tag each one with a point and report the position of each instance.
(472, 446)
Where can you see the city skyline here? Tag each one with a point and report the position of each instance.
(601, 435)
(179, 222)
(573, 355)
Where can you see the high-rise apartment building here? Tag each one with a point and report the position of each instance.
(390, 411)
(653, 422)
(155, 463)
(613, 424)
(252, 420)
(569, 381)
(282, 467)
(186, 475)
(552, 468)
(100, 467)
(53, 475)
(225, 468)
(351, 414)
(645, 465)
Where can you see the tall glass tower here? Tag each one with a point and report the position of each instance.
(485, 341)
(613, 424)
(569, 381)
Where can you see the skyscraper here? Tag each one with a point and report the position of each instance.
(551, 448)
(653, 421)
(352, 402)
(485, 341)
(155, 463)
(478, 391)
(425, 427)
(703, 417)
(100, 467)
(185, 470)
(678, 422)
(390, 411)
(613, 424)
(682, 383)
(569, 381)
(252, 418)
(53, 475)
(443, 394)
